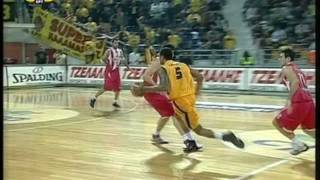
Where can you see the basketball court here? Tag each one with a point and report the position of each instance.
(53, 134)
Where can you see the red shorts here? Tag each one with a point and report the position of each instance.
(160, 103)
(301, 114)
(112, 81)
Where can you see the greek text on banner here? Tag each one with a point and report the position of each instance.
(59, 34)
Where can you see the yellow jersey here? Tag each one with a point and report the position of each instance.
(180, 79)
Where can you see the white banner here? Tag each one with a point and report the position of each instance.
(229, 78)
(264, 79)
(214, 78)
(36, 75)
(4, 76)
(95, 74)
(269, 79)
(222, 78)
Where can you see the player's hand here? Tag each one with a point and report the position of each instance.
(136, 89)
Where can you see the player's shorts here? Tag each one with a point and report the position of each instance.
(185, 108)
(112, 81)
(301, 114)
(160, 103)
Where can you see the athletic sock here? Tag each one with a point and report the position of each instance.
(218, 135)
(188, 136)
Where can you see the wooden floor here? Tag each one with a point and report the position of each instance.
(52, 134)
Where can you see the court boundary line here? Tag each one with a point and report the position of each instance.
(263, 168)
(68, 123)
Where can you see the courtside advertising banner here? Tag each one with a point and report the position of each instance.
(222, 78)
(36, 75)
(214, 78)
(269, 79)
(59, 34)
(95, 74)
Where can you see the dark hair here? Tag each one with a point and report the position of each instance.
(246, 54)
(115, 39)
(288, 53)
(166, 53)
(170, 46)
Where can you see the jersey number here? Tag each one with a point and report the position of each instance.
(178, 73)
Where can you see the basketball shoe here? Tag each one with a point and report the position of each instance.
(230, 137)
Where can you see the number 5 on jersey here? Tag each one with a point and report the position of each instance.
(178, 73)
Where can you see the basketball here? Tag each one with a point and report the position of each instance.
(136, 89)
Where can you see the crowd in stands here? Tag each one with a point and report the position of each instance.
(281, 22)
(186, 24)
(189, 24)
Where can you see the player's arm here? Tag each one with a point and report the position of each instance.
(105, 55)
(199, 79)
(148, 74)
(125, 60)
(162, 86)
(293, 79)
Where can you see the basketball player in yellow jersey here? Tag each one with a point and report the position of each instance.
(176, 79)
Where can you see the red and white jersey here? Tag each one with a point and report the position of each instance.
(302, 93)
(114, 58)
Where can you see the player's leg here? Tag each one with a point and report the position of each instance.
(187, 107)
(102, 90)
(310, 132)
(162, 105)
(286, 124)
(116, 99)
(308, 124)
(94, 99)
(116, 86)
(156, 138)
(191, 144)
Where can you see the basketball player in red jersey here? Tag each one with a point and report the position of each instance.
(300, 107)
(112, 81)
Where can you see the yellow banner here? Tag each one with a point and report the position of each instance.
(59, 34)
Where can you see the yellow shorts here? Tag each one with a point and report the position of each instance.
(184, 107)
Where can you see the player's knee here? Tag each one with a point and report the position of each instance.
(275, 123)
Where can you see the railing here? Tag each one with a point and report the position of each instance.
(24, 46)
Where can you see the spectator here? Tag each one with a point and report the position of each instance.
(149, 34)
(91, 26)
(82, 15)
(89, 53)
(60, 57)
(134, 40)
(28, 60)
(278, 36)
(230, 41)
(123, 35)
(41, 56)
(149, 53)
(247, 59)
(134, 57)
(174, 39)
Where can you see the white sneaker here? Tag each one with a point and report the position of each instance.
(297, 149)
